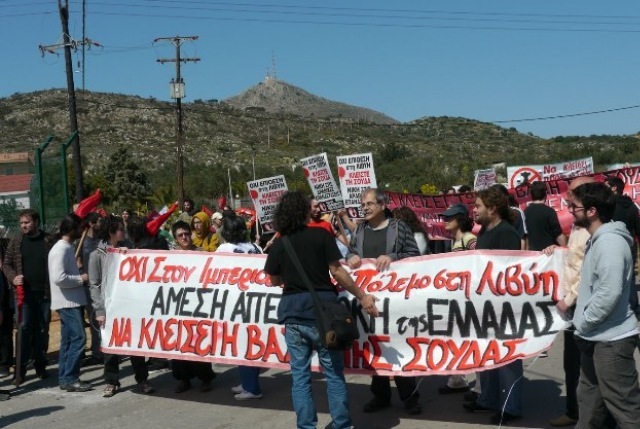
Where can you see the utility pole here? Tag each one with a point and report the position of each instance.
(73, 115)
(176, 88)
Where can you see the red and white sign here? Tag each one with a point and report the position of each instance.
(440, 314)
(316, 170)
(265, 195)
(356, 173)
(522, 175)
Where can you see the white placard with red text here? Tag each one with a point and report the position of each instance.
(439, 314)
(323, 185)
(356, 173)
(265, 195)
(522, 174)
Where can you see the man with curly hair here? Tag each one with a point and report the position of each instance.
(319, 256)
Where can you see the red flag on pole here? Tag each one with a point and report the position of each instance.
(89, 204)
(153, 226)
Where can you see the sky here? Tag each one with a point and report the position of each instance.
(492, 61)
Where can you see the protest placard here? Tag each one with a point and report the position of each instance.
(316, 169)
(484, 178)
(265, 194)
(440, 314)
(525, 174)
(356, 173)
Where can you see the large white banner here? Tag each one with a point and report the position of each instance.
(439, 314)
(563, 170)
(356, 173)
(265, 195)
(316, 170)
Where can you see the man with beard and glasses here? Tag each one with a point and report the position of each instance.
(385, 239)
(606, 327)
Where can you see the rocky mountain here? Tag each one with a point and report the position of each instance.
(277, 97)
(221, 138)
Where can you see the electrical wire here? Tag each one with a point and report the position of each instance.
(570, 115)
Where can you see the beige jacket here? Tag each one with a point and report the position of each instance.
(573, 262)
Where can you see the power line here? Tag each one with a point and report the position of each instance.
(571, 115)
(367, 24)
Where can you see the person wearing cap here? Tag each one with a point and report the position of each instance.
(458, 223)
(216, 221)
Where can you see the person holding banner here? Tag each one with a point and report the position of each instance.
(234, 234)
(319, 256)
(606, 328)
(386, 240)
(458, 223)
(501, 387)
(185, 370)
(111, 235)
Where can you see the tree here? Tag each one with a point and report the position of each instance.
(9, 211)
(129, 183)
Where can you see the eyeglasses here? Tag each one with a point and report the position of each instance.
(572, 207)
(369, 204)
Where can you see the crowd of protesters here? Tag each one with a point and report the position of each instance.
(64, 273)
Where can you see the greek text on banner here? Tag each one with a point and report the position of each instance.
(439, 314)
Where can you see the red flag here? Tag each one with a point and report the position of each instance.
(101, 212)
(206, 209)
(89, 204)
(222, 203)
(153, 226)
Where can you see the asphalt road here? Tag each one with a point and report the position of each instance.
(41, 404)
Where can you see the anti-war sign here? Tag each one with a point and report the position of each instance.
(439, 314)
(316, 170)
(265, 194)
(524, 174)
(356, 174)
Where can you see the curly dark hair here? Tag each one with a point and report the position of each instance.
(409, 217)
(494, 198)
(109, 225)
(234, 229)
(292, 213)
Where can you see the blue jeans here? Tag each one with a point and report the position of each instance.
(502, 388)
(249, 379)
(72, 342)
(301, 340)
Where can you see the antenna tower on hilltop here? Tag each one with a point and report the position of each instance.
(272, 73)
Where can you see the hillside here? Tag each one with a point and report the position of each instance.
(441, 151)
(277, 97)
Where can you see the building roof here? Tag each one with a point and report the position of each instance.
(6, 158)
(15, 183)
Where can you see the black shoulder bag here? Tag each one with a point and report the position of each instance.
(337, 327)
